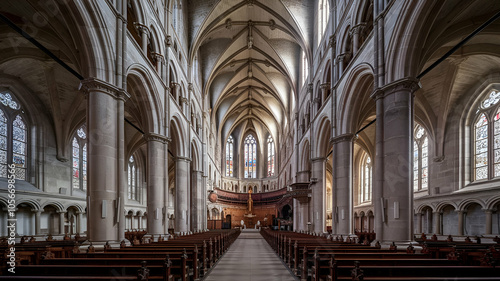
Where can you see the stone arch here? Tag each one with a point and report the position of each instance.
(177, 135)
(361, 80)
(144, 103)
(323, 136)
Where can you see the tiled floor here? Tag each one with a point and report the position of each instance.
(250, 258)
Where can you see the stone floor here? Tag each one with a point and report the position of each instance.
(250, 258)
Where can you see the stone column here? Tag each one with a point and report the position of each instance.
(325, 87)
(461, 222)
(436, 219)
(61, 222)
(196, 201)
(37, 220)
(342, 174)
(159, 62)
(104, 195)
(79, 221)
(489, 221)
(419, 223)
(355, 36)
(144, 31)
(340, 63)
(393, 193)
(156, 182)
(318, 195)
(181, 194)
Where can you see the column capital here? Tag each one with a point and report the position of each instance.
(409, 84)
(332, 41)
(156, 137)
(36, 211)
(92, 84)
(343, 138)
(141, 28)
(181, 158)
(168, 41)
(357, 28)
(487, 211)
(318, 159)
(157, 56)
(325, 86)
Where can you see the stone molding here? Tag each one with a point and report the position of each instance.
(156, 137)
(409, 84)
(96, 85)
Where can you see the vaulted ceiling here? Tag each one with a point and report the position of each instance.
(250, 56)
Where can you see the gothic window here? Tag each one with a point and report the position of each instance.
(80, 159)
(365, 194)
(250, 157)
(270, 156)
(132, 179)
(229, 157)
(13, 137)
(486, 138)
(420, 159)
(305, 68)
(323, 12)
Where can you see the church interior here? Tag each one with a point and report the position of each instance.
(194, 127)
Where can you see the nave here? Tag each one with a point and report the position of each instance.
(250, 258)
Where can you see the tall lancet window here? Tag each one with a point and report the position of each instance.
(250, 157)
(270, 156)
(229, 157)
(13, 137)
(365, 194)
(420, 159)
(132, 179)
(486, 138)
(323, 13)
(80, 159)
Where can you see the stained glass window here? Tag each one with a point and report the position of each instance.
(76, 163)
(415, 166)
(420, 159)
(13, 137)
(79, 159)
(250, 157)
(3, 145)
(365, 194)
(132, 179)
(229, 157)
(270, 156)
(7, 100)
(481, 147)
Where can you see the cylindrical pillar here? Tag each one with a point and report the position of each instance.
(196, 201)
(156, 172)
(318, 195)
(61, 222)
(393, 195)
(342, 173)
(461, 222)
(489, 221)
(37, 221)
(181, 194)
(105, 208)
(419, 223)
(436, 219)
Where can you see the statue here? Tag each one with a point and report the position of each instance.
(250, 201)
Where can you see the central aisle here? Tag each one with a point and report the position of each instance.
(250, 258)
